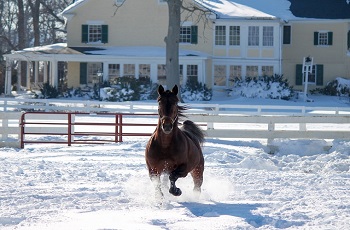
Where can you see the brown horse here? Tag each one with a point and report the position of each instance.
(172, 150)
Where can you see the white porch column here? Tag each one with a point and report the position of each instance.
(137, 70)
(28, 75)
(36, 72)
(184, 74)
(154, 72)
(54, 75)
(8, 77)
(45, 72)
(105, 72)
(19, 76)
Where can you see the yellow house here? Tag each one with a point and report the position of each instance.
(107, 39)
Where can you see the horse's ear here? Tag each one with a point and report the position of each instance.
(160, 89)
(175, 90)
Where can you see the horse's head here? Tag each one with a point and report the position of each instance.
(168, 108)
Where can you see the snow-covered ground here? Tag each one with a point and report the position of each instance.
(302, 186)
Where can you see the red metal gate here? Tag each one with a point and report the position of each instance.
(65, 125)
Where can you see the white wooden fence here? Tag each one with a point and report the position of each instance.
(11, 104)
(267, 127)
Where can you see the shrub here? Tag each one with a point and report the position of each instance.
(269, 87)
(196, 91)
(338, 87)
(48, 91)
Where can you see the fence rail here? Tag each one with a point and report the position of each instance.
(80, 128)
(56, 105)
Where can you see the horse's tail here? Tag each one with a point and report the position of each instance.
(194, 131)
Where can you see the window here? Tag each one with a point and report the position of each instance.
(92, 69)
(161, 74)
(220, 35)
(287, 34)
(114, 70)
(323, 38)
(235, 73)
(315, 77)
(129, 70)
(145, 73)
(185, 34)
(94, 34)
(252, 71)
(267, 70)
(234, 38)
(189, 34)
(220, 75)
(113, 73)
(192, 73)
(268, 36)
(253, 36)
(311, 76)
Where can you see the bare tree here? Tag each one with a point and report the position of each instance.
(29, 23)
(35, 9)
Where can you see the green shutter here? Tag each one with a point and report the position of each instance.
(84, 33)
(299, 74)
(315, 38)
(83, 73)
(194, 34)
(286, 34)
(319, 72)
(330, 38)
(104, 33)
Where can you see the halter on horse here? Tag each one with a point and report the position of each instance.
(173, 150)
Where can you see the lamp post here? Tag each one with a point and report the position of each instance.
(99, 75)
(307, 69)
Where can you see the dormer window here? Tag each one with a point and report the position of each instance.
(94, 33)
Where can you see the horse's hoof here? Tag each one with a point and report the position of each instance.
(175, 191)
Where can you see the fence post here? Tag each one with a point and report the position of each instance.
(120, 133)
(69, 129)
(116, 135)
(21, 123)
(270, 127)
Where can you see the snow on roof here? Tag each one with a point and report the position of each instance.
(71, 6)
(132, 51)
(56, 46)
(266, 9)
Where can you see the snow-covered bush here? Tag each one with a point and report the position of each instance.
(196, 91)
(338, 87)
(273, 87)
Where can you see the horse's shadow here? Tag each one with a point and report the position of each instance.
(243, 211)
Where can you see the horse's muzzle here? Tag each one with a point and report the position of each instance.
(167, 124)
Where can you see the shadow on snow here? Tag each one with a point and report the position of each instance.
(244, 211)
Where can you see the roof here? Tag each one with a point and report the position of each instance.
(60, 51)
(282, 9)
(268, 9)
(321, 9)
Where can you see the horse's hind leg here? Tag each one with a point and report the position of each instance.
(197, 175)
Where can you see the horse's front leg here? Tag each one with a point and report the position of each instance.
(180, 171)
(155, 178)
